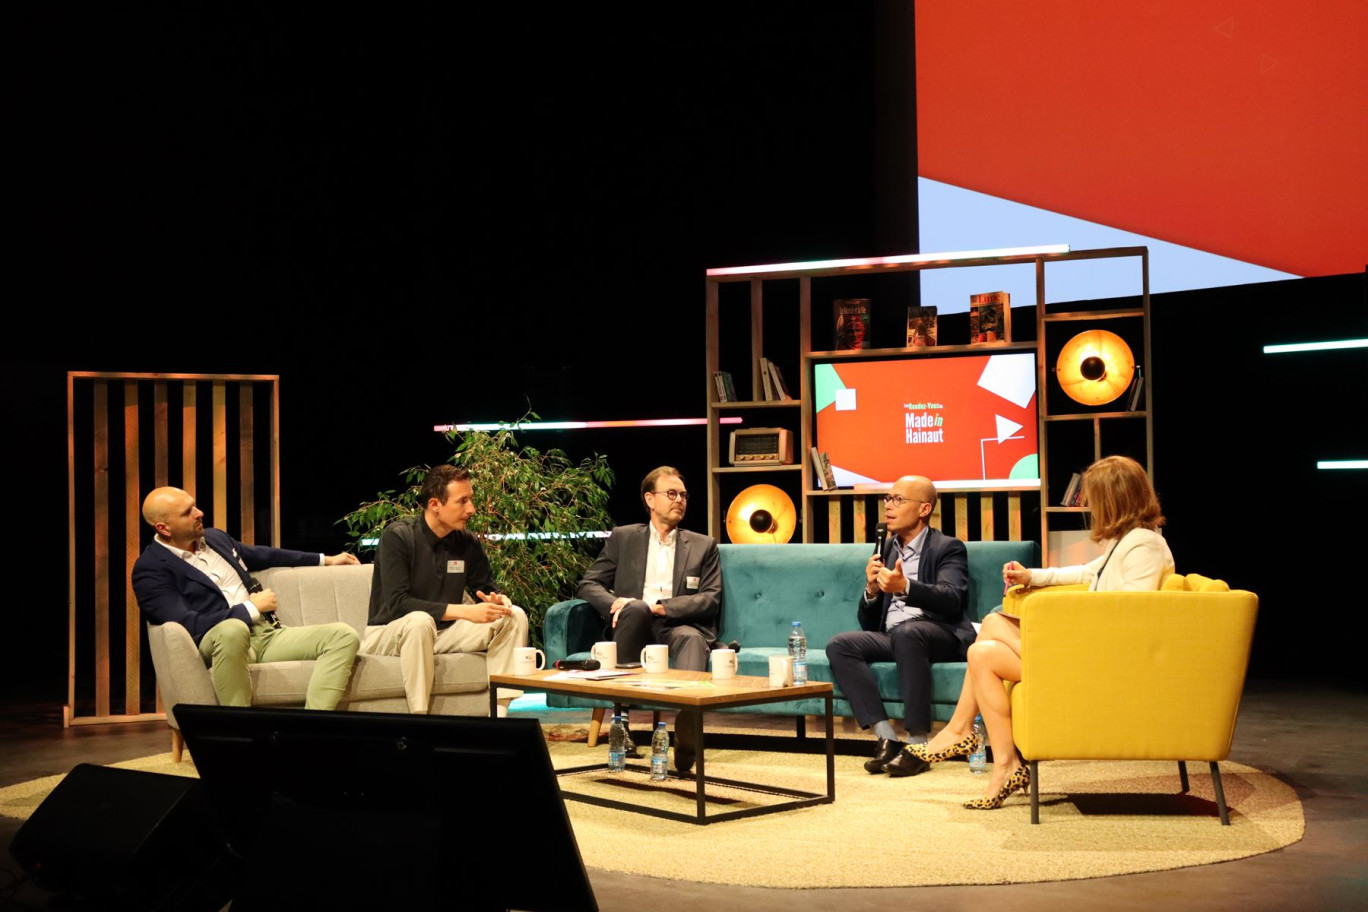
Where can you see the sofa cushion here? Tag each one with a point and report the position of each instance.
(321, 595)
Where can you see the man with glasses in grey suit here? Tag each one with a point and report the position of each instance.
(658, 583)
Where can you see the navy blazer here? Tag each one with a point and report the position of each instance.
(170, 589)
(941, 589)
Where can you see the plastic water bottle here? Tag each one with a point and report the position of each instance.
(978, 760)
(798, 650)
(617, 745)
(660, 753)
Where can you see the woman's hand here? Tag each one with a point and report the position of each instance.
(1013, 574)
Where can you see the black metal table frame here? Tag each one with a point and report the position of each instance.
(801, 799)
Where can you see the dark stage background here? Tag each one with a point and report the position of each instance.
(418, 218)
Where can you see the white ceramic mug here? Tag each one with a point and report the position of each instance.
(606, 653)
(655, 659)
(528, 660)
(723, 664)
(781, 671)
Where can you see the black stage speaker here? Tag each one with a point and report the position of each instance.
(123, 839)
(359, 810)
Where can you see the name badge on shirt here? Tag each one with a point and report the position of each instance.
(690, 582)
(455, 566)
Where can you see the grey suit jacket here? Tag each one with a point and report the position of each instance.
(621, 571)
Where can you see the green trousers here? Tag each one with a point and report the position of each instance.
(231, 645)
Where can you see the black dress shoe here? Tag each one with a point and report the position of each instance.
(889, 748)
(905, 764)
(684, 740)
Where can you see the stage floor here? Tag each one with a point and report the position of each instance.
(1312, 735)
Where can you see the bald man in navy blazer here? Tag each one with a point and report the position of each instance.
(201, 579)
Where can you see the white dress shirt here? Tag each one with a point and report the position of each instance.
(660, 561)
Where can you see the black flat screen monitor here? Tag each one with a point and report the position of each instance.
(376, 810)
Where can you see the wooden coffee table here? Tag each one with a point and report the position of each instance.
(638, 689)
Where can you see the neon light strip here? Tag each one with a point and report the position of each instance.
(516, 536)
(1342, 464)
(1315, 346)
(580, 425)
(868, 262)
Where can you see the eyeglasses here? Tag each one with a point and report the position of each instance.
(674, 495)
(897, 500)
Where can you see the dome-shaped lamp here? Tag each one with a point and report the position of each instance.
(761, 514)
(1095, 367)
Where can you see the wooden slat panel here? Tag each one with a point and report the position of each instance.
(961, 516)
(833, 519)
(161, 465)
(858, 508)
(246, 466)
(1014, 516)
(95, 616)
(69, 710)
(986, 516)
(100, 503)
(220, 419)
(937, 519)
(189, 411)
(275, 462)
(132, 506)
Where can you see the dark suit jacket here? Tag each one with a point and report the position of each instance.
(941, 589)
(169, 589)
(621, 571)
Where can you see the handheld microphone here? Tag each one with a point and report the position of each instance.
(880, 536)
(578, 665)
(253, 587)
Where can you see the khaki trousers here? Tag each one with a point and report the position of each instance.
(414, 638)
(231, 645)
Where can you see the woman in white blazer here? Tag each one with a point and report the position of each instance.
(1125, 511)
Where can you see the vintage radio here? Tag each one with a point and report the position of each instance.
(761, 446)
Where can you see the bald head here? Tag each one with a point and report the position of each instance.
(174, 516)
(909, 505)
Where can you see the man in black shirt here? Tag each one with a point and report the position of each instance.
(424, 570)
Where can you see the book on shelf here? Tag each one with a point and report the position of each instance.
(726, 391)
(1070, 498)
(921, 327)
(827, 475)
(766, 381)
(817, 469)
(852, 323)
(780, 388)
(1137, 391)
(990, 317)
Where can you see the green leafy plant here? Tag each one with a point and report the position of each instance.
(532, 510)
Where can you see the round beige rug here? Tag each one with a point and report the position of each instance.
(1097, 818)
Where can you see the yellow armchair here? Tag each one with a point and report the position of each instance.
(1131, 675)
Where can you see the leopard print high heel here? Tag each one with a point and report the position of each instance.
(1021, 779)
(961, 748)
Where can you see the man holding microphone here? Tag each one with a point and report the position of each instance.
(912, 614)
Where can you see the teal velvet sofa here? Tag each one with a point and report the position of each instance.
(765, 588)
